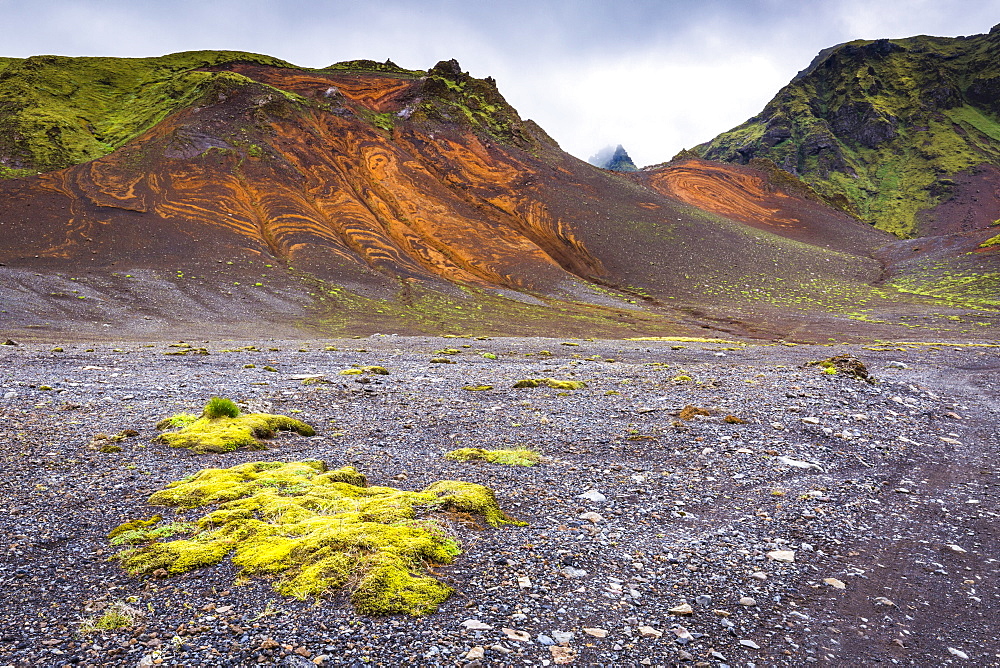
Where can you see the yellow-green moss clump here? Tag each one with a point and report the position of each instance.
(991, 242)
(315, 530)
(551, 382)
(508, 457)
(222, 428)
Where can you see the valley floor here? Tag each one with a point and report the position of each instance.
(833, 521)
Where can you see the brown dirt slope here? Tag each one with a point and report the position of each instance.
(285, 198)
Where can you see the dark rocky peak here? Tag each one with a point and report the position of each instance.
(614, 159)
(448, 69)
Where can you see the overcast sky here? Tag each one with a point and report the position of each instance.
(653, 75)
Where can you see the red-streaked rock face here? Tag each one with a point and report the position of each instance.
(389, 185)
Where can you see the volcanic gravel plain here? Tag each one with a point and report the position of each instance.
(801, 517)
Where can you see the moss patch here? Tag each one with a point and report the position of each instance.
(507, 457)
(847, 365)
(224, 433)
(992, 241)
(315, 530)
(550, 382)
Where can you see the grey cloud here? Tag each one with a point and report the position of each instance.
(593, 72)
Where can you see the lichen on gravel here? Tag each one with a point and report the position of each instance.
(314, 529)
(520, 457)
(222, 428)
(550, 382)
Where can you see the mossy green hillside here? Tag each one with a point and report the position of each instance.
(521, 457)
(877, 127)
(58, 111)
(222, 428)
(312, 529)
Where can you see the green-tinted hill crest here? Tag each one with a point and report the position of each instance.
(880, 127)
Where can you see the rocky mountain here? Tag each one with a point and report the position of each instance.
(902, 133)
(616, 160)
(228, 193)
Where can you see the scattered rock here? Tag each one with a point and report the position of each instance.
(571, 572)
(747, 601)
(682, 609)
(835, 583)
(799, 464)
(596, 632)
(782, 556)
(593, 495)
(562, 656)
(563, 637)
(749, 643)
(514, 634)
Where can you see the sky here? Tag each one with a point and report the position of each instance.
(653, 75)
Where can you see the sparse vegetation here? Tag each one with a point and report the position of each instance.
(507, 457)
(313, 529)
(218, 429)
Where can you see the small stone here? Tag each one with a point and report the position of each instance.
(749, 643)
(882, 600)
(747, 601)
(721, 613)
(571, 572)
(544, 640)
(596, 632)
(562, 656)
(956, 548)
(514, 634)
(475, 653)
(957, 652)
(810, 420)
(897, 365)
(563, 637)
(683, 634)
(592, 517)
(524, 582)
(798, 463)
(593, 495)
(835, 583)
(682, 609)
(783, 556)
(476, 625)
(759, 575)
(703, 599)
(650, 632)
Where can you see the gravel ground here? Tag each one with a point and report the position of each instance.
(884, 497)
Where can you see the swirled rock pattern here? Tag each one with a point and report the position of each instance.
(365, 197)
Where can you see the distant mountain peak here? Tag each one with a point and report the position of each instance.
(615, 159)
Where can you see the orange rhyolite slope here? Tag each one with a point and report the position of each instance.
(373, 181)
